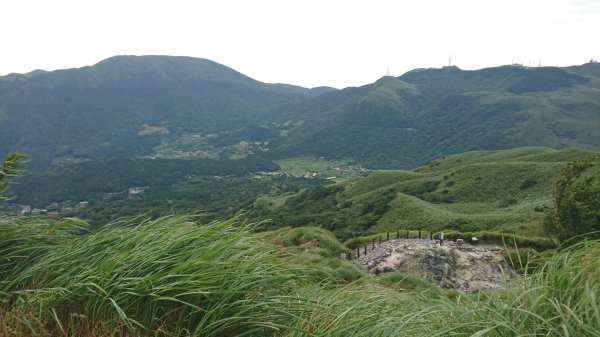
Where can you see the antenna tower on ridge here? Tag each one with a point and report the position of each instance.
(388, 71)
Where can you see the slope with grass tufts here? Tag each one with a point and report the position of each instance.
(175, 277)
(171, 274)
(470, 192)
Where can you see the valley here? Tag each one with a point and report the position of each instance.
(175, 196)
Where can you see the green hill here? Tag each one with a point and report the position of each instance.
(473, 191)
(424, 114)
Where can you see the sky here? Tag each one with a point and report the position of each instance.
(307, 42)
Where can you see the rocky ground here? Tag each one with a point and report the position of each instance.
(466, 268)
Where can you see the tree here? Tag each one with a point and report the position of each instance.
(12, 166)
(576, 211)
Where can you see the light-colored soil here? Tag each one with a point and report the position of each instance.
(466, 268)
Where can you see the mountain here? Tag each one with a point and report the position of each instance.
(125, 105)
(428, 113)
(470, 192)
(183, 107)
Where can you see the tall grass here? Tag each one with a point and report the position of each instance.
(175, 277)
(560, 299)
(317, 252)
(315, 236)
(169, 274)
(23, 241)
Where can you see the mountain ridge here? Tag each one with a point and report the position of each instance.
(113, 108)
(451, 111)
(111, 100)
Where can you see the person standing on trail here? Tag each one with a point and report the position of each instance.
(441, 239)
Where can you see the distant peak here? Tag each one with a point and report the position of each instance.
(451, 68)
(444, 69)
(26, 75)
(157, 59)
(35, 72)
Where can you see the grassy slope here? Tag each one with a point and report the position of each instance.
(472, 191)
(487, 188)
(175, 277)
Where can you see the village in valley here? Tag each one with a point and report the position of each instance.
(300, 167)
(311, 168)
(69, 206)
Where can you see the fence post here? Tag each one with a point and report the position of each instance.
(358, 252)
(366, 249)
(373, 247)
(379, 239)
(398, 234)
(388, 236)
(407, 233)
(430, 235)
(419, 233)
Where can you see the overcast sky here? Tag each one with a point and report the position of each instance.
(308, 43)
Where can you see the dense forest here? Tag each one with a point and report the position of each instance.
(93, 179)
(126, 187)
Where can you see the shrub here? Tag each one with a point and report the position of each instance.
(507, 202)
(575, 214)
(316, 236)
(528, 260)
(528, 183)
(12, 166)
(406, 282)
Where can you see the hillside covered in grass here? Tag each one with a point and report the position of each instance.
(176, 277)
(469, 192)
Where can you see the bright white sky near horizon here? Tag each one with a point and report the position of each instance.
(308, 43)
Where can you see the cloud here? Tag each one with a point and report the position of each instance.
(587, 7)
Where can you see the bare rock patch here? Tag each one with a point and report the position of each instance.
(466, 268)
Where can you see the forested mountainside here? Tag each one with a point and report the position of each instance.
(182, 107)
(126, 105)
(428, 113)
